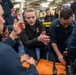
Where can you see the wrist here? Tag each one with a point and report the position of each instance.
(39, 39)
(33, 64)
(13, 35)
(59, 54)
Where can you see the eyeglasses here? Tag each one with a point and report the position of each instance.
(65, 23)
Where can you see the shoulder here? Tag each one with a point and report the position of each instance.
(55, 22)
(4, 47)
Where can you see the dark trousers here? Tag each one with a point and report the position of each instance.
(32, 52)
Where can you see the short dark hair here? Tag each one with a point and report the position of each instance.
(47, 9)
(66, 13)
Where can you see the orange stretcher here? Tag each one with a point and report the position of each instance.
(45, 67)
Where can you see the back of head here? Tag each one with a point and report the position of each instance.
(66, 13)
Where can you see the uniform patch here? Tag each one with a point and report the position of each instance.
(37, 30)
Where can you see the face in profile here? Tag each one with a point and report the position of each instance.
(1, 20)
(30, 17)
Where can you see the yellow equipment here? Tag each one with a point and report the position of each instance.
(46, 24)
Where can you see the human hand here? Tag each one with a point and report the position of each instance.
(44, 38)
(31, 61)
(24, 57)
(60, 58)
(18, 26)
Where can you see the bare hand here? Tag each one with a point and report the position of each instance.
(24, 57)
(44, 38)
(18, 26)
(60, 58)
(31, 61)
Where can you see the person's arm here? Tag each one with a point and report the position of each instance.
(59, 55)
(72, 46)
(30, 61)
(32, 70)
(53, 36)
(10, 60)
(10, 39)
(35, 42)
(30, 42)
(27, 41)
(17, 29)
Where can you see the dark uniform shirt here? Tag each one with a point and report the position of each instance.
(7, 5)
(73, 7)
(13, 43)
(10, 63)
(72, 46)
(72, 52)
(60, 35)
